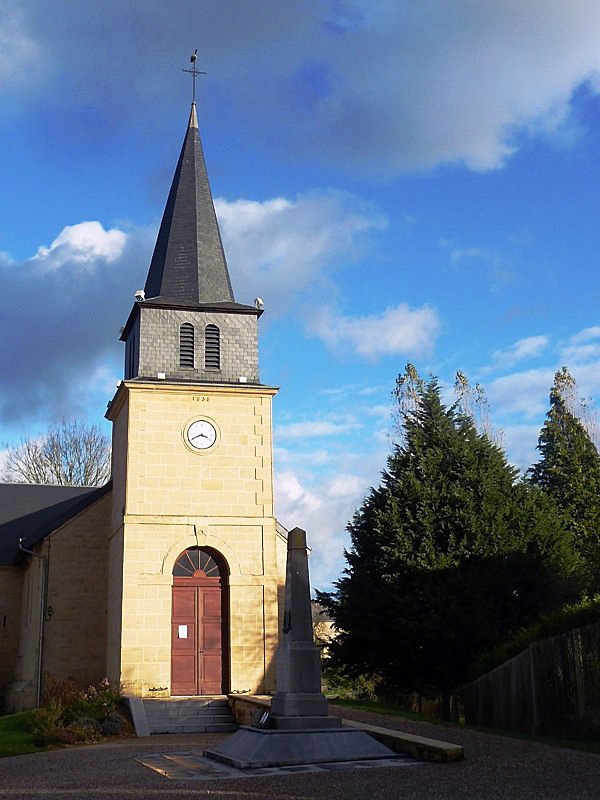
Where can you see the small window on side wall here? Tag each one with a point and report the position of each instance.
(212, 347)
(186, 345)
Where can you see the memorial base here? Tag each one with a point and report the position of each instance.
(253, 748)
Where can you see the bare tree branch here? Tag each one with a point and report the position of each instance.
(71, 453)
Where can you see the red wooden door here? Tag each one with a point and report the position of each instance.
(197, 625)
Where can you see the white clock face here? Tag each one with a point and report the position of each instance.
(201, 434)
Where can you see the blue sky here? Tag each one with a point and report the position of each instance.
(397, 180)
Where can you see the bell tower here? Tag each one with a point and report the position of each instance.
(196, 560)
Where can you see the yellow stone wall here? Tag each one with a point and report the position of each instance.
(75, 634)
(175, 498)
(74, 644)
(11, 586)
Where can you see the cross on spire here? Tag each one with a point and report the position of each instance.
(193, 72)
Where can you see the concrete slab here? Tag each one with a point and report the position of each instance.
(192, 766)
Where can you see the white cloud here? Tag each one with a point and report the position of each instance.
(574, 355)
(67, 309)
(520, 441)
(351, 390)
(523, 392)
(586, 335)
(530, 347)
(19, 53)
(440, 81)
(3, 460)
(323, 513)
(312, 458)
(345, 485)
(588, 378)
(313, 428)
(495, 265)
(281, 249)
(83, 246)
(437, 82)
(399, 330)
(581, 347)
(381, 410)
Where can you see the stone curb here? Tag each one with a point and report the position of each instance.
(417, 746)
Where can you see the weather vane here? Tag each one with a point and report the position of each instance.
(193, 72)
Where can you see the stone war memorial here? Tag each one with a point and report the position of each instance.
(299, 730)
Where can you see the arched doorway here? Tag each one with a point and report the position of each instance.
(199, 652)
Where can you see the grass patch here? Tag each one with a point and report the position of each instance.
(384, 708)
(16, 737)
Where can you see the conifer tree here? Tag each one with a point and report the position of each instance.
(449, 555)
(569, 473)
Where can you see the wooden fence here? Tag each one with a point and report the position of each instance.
(550, 689)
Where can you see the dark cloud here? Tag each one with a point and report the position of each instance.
(382, 87)
(61, 320)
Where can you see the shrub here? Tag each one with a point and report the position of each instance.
(362, 687)
(87, 722)
(47, 718)
(85, 734)
(72, 715)
(64, 693)
(112, 725)
(60, 736)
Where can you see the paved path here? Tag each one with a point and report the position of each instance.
(495, 767)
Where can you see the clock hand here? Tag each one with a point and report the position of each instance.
(198, 435)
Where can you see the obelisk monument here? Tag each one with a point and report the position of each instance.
(299, 732)
(299, 702)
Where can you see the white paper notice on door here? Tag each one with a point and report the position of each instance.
(183, 631)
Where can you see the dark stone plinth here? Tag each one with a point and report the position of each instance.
(302, 723)
(253, 748)
(299, 704)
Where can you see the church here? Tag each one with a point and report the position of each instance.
(167, 580)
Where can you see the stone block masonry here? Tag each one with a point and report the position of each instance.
(159, 345)
(174, 498)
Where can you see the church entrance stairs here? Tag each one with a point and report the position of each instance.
(189, 715)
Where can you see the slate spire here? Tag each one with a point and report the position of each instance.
(188, 263)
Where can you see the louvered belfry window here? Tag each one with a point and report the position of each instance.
(186, 345)
(212, 347)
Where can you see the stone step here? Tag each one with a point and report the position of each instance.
(189, 715)
(212, 703)
(175, 708)
(201, 719)
(194, 728)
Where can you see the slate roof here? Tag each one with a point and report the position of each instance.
(188, 262)
(32, 511)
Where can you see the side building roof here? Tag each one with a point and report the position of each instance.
(32, 511)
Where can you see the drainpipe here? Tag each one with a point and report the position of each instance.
(42, 616)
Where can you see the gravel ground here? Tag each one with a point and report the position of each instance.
(495, 767)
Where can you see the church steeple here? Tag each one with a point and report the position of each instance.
(188, 263)
(186, 325)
